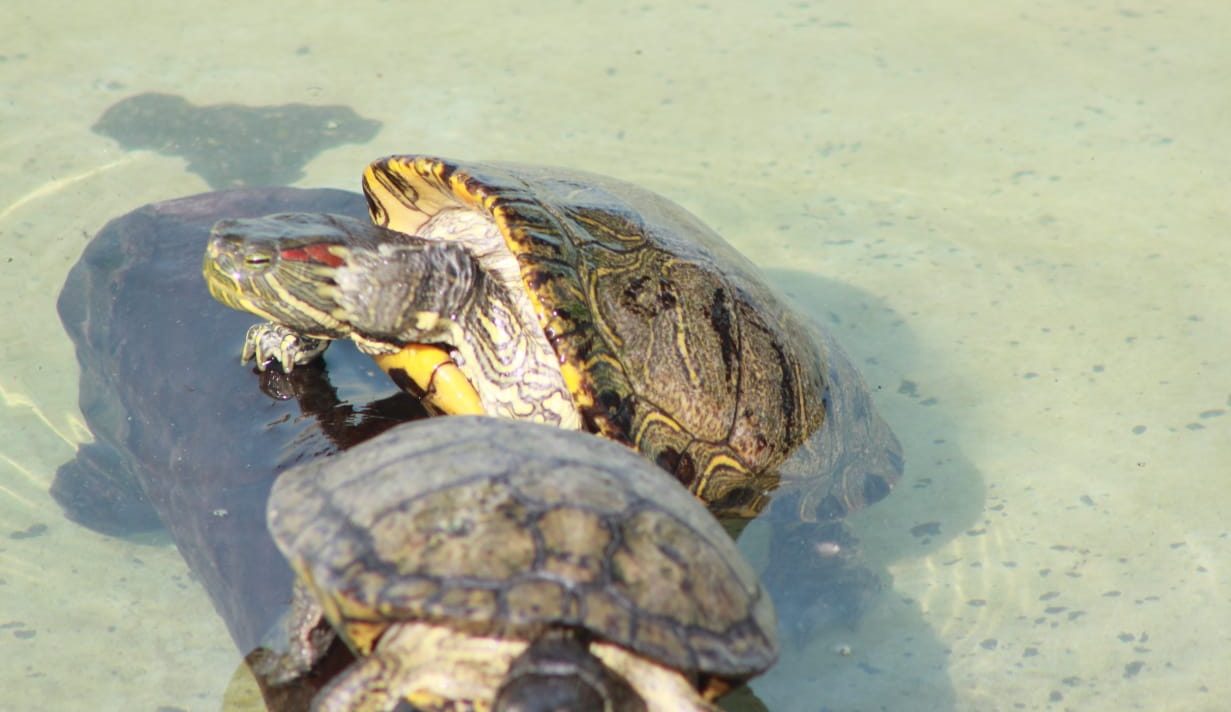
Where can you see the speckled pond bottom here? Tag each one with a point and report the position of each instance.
(1013, 217)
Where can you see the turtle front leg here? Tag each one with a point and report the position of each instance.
(270, 342)
(296, 642)
(817, 579)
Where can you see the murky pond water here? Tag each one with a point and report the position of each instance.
(1011, 216)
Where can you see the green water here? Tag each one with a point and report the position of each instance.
(1018, 213)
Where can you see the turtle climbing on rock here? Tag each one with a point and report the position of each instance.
(563, 297)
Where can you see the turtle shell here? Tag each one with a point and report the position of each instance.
(502, 527)
(668, 338)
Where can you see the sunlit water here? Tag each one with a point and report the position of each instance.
(1013, 215)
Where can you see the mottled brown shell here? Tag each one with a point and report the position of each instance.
(669, 339)
(505, 527)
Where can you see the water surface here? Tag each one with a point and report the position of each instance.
(1013, 215)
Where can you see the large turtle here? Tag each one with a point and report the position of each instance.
(182, 438)
(572, 299)
(485, 563)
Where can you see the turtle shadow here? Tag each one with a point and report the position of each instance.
(942, 494)
(233, 145)
(891, 657)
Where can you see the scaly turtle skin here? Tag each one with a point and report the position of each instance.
(478, 563)
(571, 299)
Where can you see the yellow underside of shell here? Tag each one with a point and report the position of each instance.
(431, 369)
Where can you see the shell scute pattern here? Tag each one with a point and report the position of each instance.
(550, 535)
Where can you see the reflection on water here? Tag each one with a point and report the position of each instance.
(1014, 212)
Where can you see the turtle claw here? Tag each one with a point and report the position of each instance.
(268, 343)
(297, 641)
(817, 580)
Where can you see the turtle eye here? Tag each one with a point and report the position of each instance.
(256, 260)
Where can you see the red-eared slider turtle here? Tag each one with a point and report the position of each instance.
(572, 299)
(478, 562)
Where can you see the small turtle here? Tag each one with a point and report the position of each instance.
(486, 563)
(568, 298)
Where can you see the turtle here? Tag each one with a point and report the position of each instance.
(563, 297)
(182, 440)
(485, 563)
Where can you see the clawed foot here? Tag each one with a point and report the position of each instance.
(296, 642)
(273, 343)
(817, 579)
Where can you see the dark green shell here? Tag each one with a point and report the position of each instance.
(504, 527)
(677, 345)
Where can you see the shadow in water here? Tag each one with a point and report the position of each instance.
(232, 145)
(892, 658)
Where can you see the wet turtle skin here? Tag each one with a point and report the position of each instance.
(588, 302)
(495, 540)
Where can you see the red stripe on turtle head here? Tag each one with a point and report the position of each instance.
(319, 254)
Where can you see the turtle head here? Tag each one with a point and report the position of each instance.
(283, 267)
(558, 672)
(329, 276)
